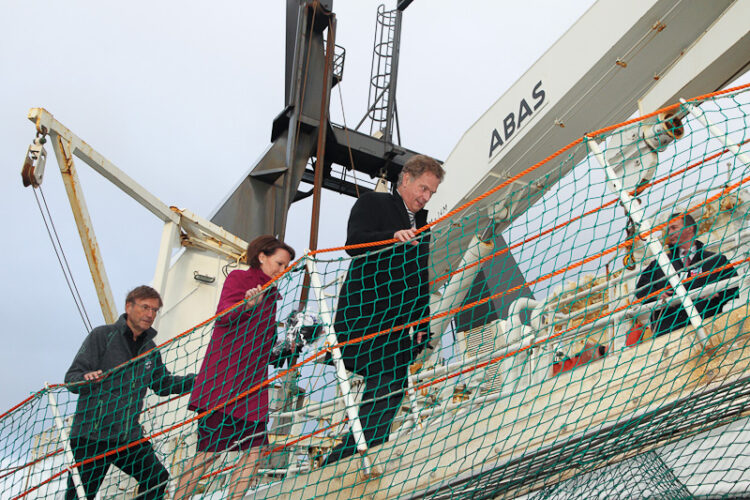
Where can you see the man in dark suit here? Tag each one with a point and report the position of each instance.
(387, 287)
(690, 260)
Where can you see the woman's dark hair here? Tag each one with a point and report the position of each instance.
(266, 244)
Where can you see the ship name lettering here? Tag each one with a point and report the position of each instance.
(513, 122)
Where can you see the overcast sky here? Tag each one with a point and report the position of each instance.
(181, 96)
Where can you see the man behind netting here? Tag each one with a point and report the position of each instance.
(690, 260)
(386, 289)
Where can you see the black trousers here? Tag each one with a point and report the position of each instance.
(139, 461)
(375, 416)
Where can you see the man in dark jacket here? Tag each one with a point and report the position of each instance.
(386, 288)
(111, 372)
(690, 260)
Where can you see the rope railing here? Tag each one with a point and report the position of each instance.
(721, 208)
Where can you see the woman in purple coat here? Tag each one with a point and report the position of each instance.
(237, 360)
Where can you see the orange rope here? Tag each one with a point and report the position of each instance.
(278, 448)
(534, 167)
(418, 322)
(36, 394)
(449, 214)
(513, 353)
(589, 321)
(29, 464)
(586, 214)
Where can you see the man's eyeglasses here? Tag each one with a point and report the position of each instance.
(148, 308)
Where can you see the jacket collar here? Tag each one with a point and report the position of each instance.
(256, 271)
(674, 252)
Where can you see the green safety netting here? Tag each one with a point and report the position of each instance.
(561, 364)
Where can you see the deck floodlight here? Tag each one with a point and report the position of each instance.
(633, 150)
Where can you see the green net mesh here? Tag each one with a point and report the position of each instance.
(527, 346)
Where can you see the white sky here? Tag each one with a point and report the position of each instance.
(181, 96)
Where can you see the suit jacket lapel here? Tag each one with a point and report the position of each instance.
(674, 257)
(697, 256)
(420, 218)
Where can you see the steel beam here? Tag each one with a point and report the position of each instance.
(45, 123)
(64, 154)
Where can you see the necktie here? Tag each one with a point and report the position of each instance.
(686, 262)
(412, 221)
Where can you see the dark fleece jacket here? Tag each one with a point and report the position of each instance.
(108, 409)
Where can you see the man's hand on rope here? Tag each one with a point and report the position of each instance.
(93, 376)
(405, 235)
